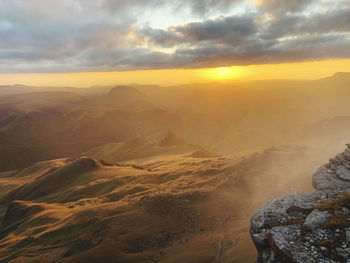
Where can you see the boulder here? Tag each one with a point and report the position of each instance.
(316, 219)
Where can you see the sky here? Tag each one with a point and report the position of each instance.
(83, 42)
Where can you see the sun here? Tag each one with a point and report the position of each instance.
(224, 73)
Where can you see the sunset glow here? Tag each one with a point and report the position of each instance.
(85, 43)
(153, 130)
(225, 73)
(305, 70)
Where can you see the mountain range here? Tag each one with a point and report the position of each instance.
(157, 174)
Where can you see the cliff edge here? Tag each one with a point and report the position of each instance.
(308, 227)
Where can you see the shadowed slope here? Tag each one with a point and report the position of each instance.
(46, 125)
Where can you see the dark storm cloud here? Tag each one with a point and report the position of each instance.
(103, 35)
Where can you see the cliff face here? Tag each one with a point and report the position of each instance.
(308, 227)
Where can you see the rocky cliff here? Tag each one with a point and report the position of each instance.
(308, 227)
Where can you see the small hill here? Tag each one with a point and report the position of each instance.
(125, 98)
(201, 154)
(56, 180)
(125, 91)
(171, 139)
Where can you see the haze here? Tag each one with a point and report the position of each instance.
(150, 131)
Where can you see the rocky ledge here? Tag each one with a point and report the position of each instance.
(308, 227)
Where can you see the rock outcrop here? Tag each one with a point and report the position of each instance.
(334, 175)
(308, 227)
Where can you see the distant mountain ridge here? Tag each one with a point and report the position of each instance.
(220, 118)
(124, 90)
(339, 76)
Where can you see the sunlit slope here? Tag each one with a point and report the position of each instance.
(160, 144)
(169, 209)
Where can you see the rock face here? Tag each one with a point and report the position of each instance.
(334, 175)
(308, 227)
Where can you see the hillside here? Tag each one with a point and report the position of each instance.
(161, 209)
(151, 174)
(44, 123)
(161, 144)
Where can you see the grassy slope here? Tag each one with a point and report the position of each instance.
(168, 209)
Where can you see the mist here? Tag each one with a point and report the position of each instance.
(169, 174)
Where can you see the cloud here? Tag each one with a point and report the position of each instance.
(199, 7)
(104, 35)
(229, 30)
(202, 7)
(278, 7)
(336, 21)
